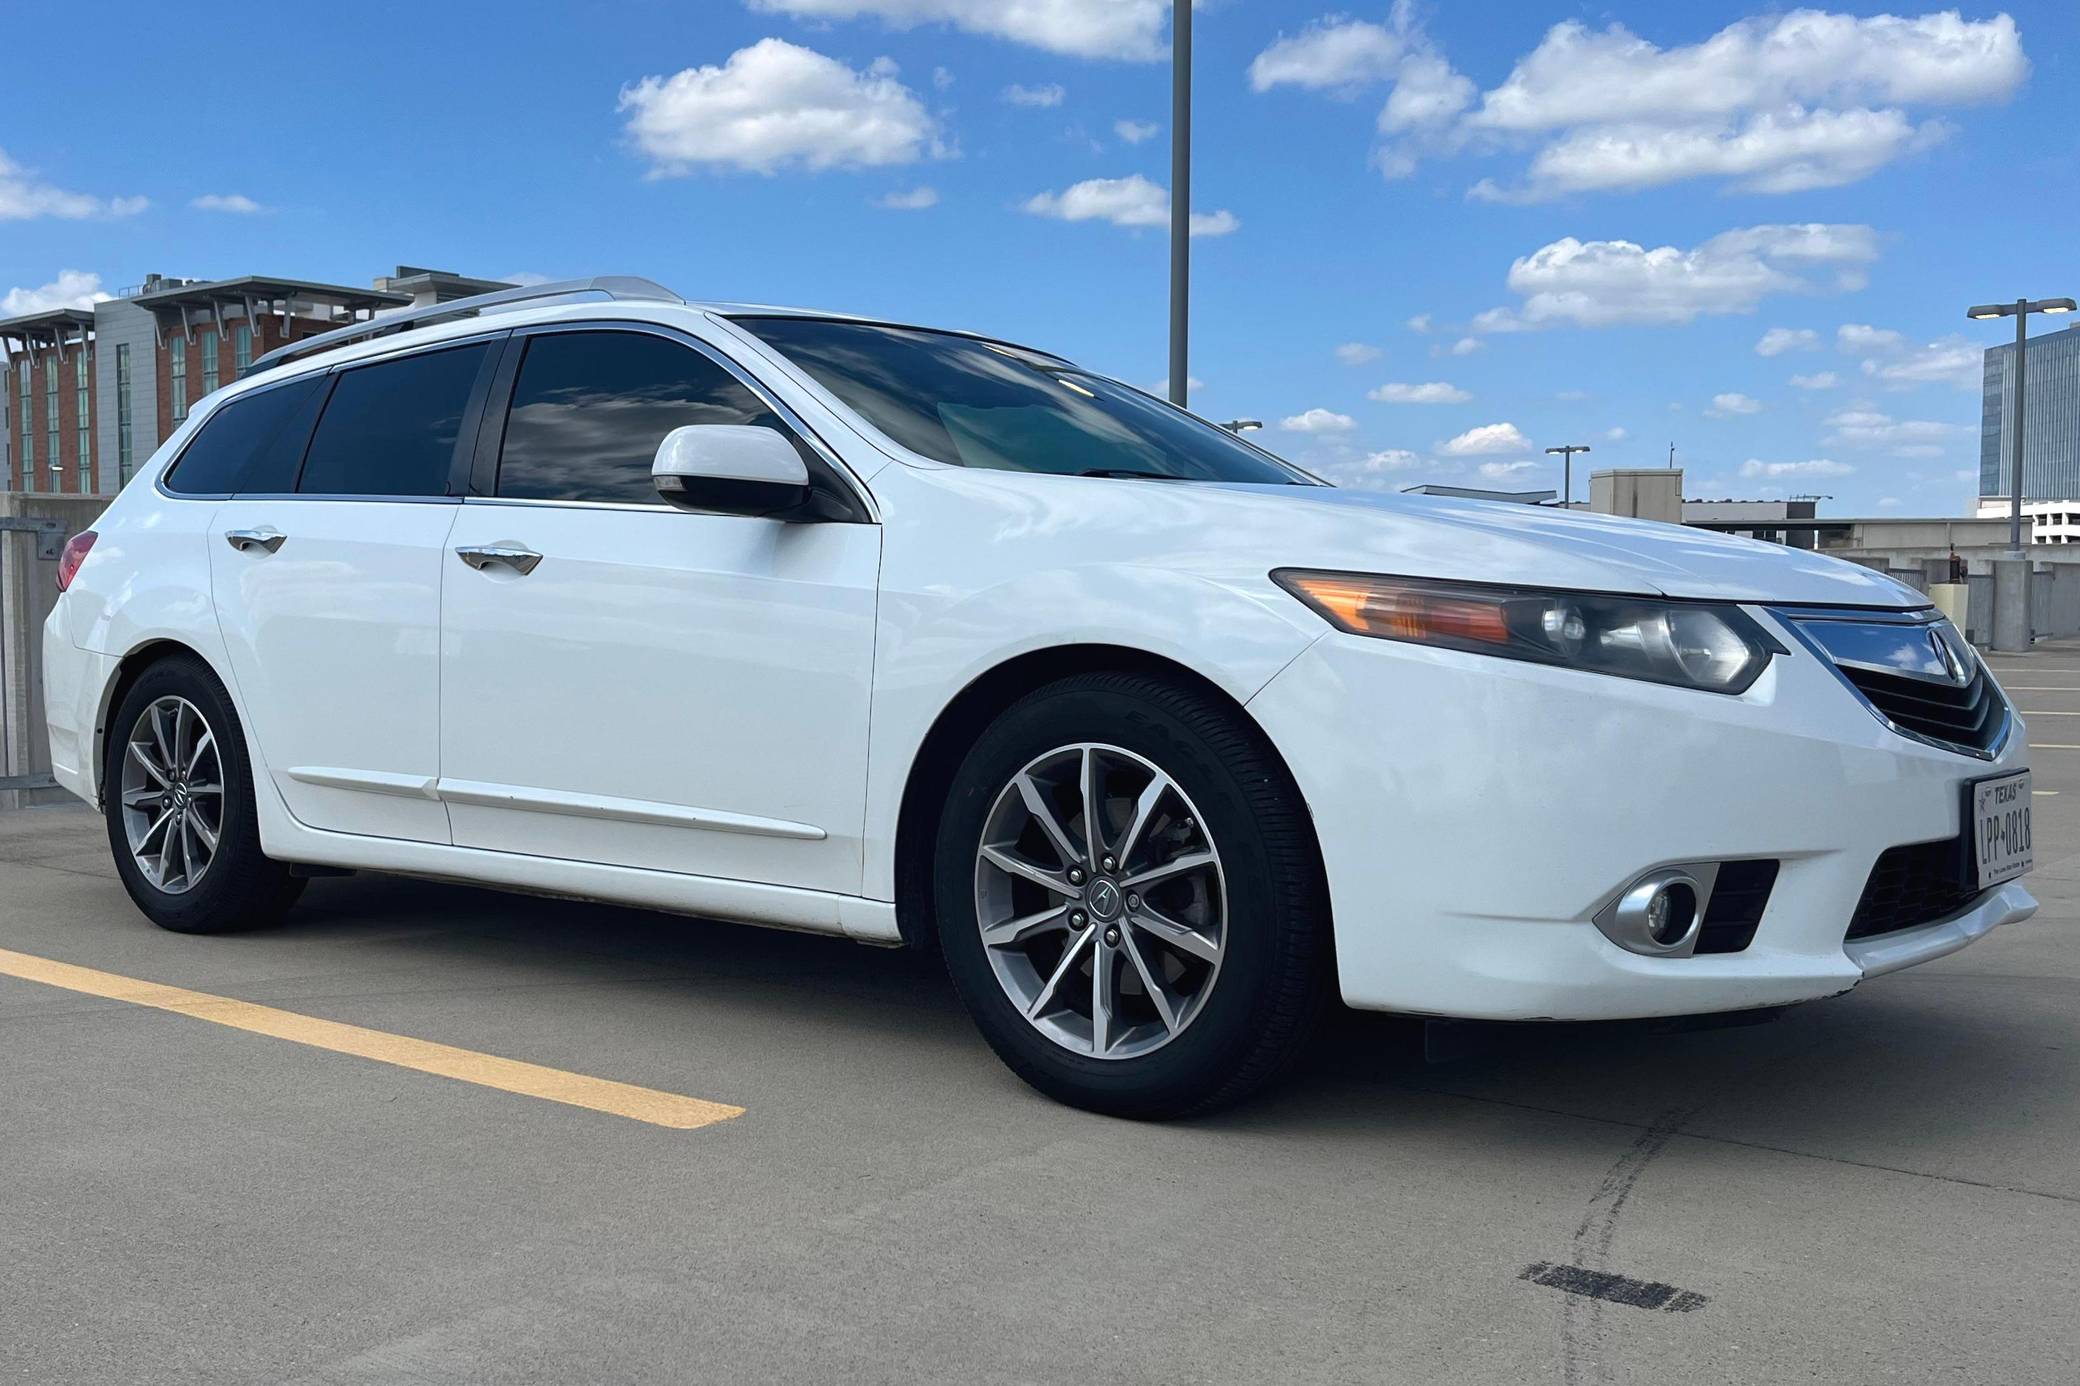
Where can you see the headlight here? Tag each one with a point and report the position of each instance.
(1690, 644)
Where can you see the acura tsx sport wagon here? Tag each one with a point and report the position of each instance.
(925, 638)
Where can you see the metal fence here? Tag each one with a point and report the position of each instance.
(33, 531)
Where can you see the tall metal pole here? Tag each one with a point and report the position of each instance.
(1567, 471)
(2021, 379)
(1180, 195)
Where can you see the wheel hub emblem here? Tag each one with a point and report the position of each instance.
(1104, 899)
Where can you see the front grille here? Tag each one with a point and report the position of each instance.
(1913, 670)
(1971, 716)
(1914, 885)
(1739, 896)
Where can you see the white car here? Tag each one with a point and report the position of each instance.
(925, 638)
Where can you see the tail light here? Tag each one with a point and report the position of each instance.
(75, 554)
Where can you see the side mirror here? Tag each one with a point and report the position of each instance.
(734, 469)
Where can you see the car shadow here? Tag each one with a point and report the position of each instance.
(1921, 1061)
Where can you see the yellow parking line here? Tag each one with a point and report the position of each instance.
(485, 1070)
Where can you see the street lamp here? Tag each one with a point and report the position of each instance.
(2019, 310)
(1180, 194)
(1243, 425)
(1567, 452)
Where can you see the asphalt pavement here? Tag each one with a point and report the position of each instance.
(294, 1156)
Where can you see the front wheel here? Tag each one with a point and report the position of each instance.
(178, 790)
(1129, 900)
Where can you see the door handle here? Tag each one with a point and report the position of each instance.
(482, 556)
(246, 540)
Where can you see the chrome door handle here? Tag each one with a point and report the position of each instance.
(246, 540)
(512, 556)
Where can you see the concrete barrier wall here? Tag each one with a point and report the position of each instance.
(28, 590)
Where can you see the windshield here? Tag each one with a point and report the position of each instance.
(977, 404)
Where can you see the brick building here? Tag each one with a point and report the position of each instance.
(89, 394)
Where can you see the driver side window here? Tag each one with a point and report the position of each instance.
(590, 408)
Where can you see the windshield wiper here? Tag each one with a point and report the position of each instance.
(1130, 474)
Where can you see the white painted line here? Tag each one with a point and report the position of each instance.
(2053, 746)
(2045, 793)
(2044, 712)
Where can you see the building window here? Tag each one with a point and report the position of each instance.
(83, 419)
(50, 416)
(23, 371)
(123, 453)
(241, 349)
(177, 370)
(208, 347)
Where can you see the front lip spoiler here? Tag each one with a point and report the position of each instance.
(1883, 953)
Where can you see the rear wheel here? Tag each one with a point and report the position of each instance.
(178, 791)
(1129, 900)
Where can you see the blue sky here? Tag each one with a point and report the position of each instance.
(1524, 223)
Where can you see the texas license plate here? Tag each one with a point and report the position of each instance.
(2000, 828)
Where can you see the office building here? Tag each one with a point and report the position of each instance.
(2051, 422)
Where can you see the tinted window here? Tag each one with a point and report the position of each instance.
(978, 404)
(590, 408)
(252, 444)
(390, 429)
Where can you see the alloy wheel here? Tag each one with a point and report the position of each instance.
(172, 794)
(1101, 901)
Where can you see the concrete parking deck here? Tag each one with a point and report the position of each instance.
(1883, 1187)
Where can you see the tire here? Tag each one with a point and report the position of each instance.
(1241, 984)
(173, 873)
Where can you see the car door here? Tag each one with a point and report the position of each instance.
(628, 683)
(328, 592)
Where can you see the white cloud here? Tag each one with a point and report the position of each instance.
(1889, 502)
(1505, 471)
(1727, 405)
(1615, 435)
(1465, 346)
(1791, 150)
(1487, 438)
(1336, 54)
(1603, 283)
(1161, 388)
(1131, 29)
(776, 105)
(1431, 392)
(914, 200)
(1754, 468)
(1951, 361)
(71, 289)
(1050, 94)
(1356, 353)
(1819, 380)
(237, 203)
(1861, 339)
(1419, 323)
(23, 197)
(1130, 201)
(1318, 421)
(1383, 470)
(942, 78)
(1779, 340)
(1135, 131)
(1867, 428)
(527, 279)
(1772, 104)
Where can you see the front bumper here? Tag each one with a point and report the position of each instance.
(1475, 813)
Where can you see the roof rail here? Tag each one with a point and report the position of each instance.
(612, 287)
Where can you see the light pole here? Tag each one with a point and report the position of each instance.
(2019, 310)
(1567, 452)
(1243, 425)
(1180, 193)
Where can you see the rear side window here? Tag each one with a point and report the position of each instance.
(590, 408)
(390, 429)
(252, 444)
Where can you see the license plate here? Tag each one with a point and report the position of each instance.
(2000, 828)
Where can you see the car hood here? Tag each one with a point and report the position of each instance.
(1484, 541)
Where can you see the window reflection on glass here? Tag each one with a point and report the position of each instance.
(590, 408)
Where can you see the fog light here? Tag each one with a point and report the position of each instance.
(1658, 915)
